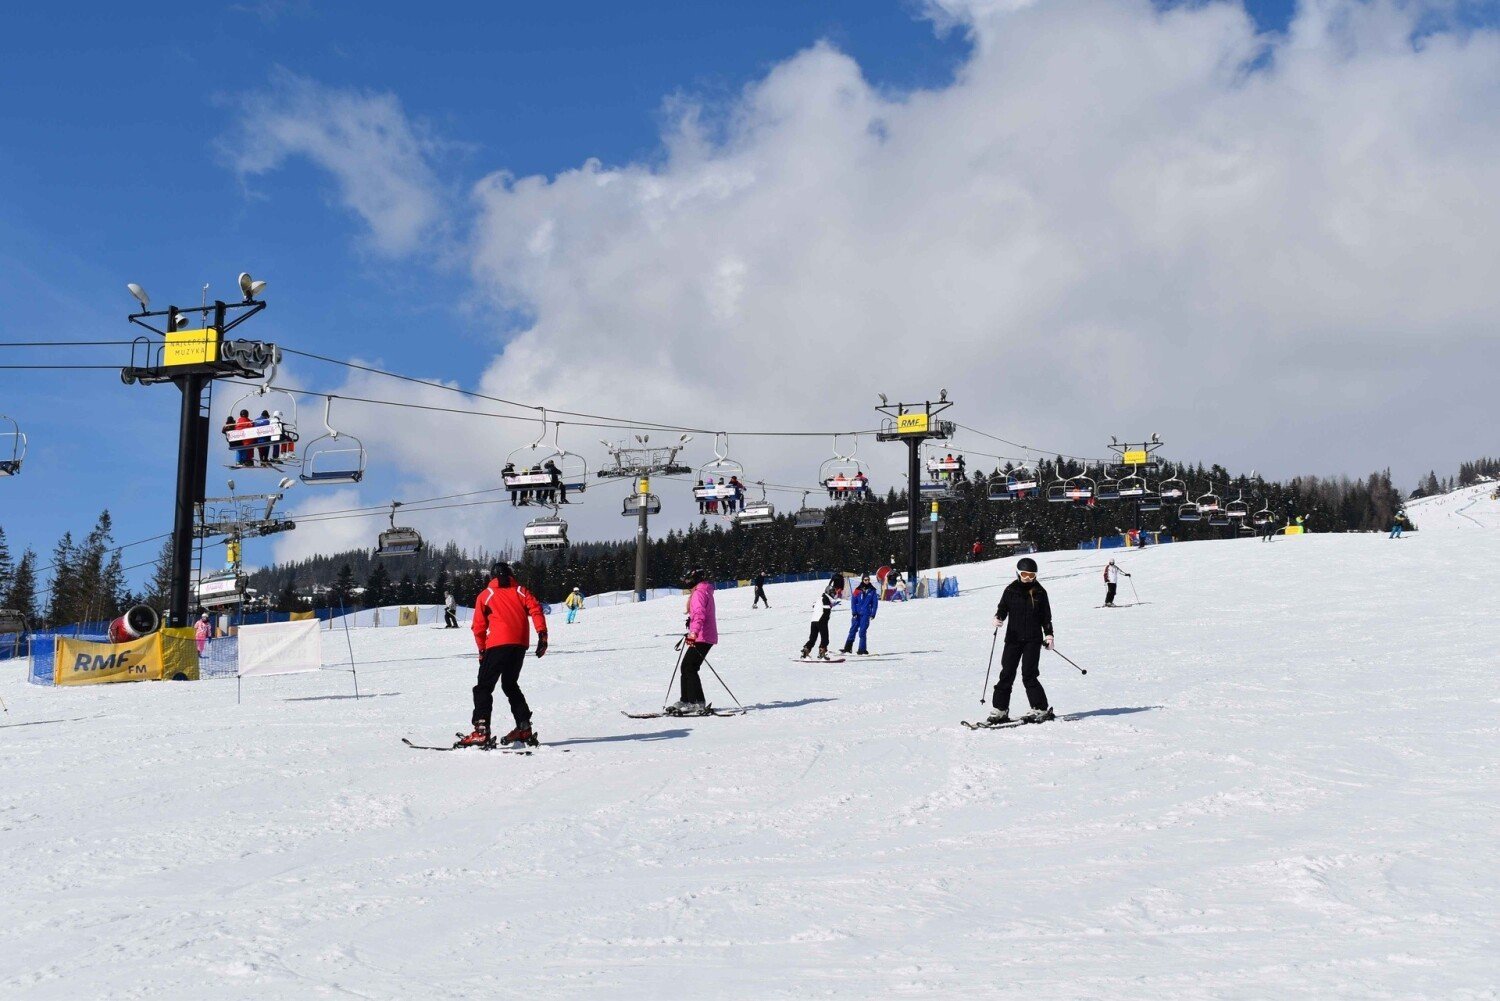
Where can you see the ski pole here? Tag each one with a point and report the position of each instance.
(1133, 589)
(673, 679)
(1066, 658)
(721, 681)
(990, 666)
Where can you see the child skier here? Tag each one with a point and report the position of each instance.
(1111, 581)
(574, 602)
(204, 629)
(863, 605)
(702, 634)
(759, 580)
(1025, 607)
(819, 631)
(502, 634)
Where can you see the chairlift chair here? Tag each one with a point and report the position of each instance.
(334, 457)
(999, 487)
(1237, 509)
(398, 541)
(1209, 502)
(220, 590)
(1218, 519)
(844, 476)
(546, 533)
(900, 523)
(1262, 518)
(808, 517)
(758, 512)
(272, 445)
(634, 502)
(1173, 489)
(1132, 487)
(1107, 490)
(1078, 488)
(721, 470)
(1008, 537)
(1057, 492)
(1150, 501)
(12, 447)
(1022, 482)
(1188, 511)
(11, 621)
(550, 476)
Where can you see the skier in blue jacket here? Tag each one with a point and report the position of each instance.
(863, 605)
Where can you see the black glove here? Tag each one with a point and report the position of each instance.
(541, 643)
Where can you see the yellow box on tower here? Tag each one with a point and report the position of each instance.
(192, 347)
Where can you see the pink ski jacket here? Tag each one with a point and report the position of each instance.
(703, 622)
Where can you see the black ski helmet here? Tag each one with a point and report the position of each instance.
(501, 571)
(694, 577)
(1026, 563)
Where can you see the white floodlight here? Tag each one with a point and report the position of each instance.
(140, 294)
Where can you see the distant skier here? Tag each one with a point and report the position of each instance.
(864, 603)
(1024, 606)
(759, 580)
(819, 631)
(1396, 524)
(450, 611)
(501, 631)
(976, 551)
(1111, 581)
(574, 602)
(702, 634)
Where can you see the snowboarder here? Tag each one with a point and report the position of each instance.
(759, 580)
(1111, 581)
(502, 633)
(450, 611)
(574, 602)
(1025, 607)
(202, 630)
(819, 631)
(1396, 524)
(702, 634)
(863, 605)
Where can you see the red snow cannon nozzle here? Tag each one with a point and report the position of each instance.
(139, 621)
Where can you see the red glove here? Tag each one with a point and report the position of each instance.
(541, 643)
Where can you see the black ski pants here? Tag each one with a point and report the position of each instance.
(760, 595)
(1025, 654)
(502, 664)
(692, 662)
(1109, 592)
(450, 618)
(819, 631)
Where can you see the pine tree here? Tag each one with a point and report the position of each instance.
(377, 587)
(21, 595)
(7, 568)
(341, 594)
(287, 600)
(62, 607)
(159, 590)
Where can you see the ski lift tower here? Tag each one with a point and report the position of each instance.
(914, 423)
(191, 354)
(1136, 459)
(640, 462)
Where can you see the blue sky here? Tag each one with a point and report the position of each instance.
(118, 166)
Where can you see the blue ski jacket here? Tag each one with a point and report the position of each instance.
(865, 602)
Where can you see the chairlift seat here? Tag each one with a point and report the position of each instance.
(1218, 519)
(1132, 486)
(545, 533)
(329, 464)
(399, 542)
(1107, 490)
(1008, 536)
(718, 491)
(999, 490)
(756, 513)
(632, 505)
(1188, 512)
(809, 517)
(1150, 502)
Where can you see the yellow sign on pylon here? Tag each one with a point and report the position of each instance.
(192, 347)
(912, 424)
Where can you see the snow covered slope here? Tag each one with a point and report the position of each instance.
(1467, 508)
(1278, 779)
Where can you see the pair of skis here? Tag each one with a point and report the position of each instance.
(1008, 724)
(519, 748)
(711, 712)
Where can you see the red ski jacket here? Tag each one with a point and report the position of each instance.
(500, 615)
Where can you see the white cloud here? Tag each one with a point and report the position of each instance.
(1108, 223)
(377, 155)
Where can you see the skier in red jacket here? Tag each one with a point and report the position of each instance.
(502, 633)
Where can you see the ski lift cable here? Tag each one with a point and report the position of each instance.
(618, 422)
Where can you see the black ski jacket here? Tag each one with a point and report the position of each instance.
(1025, 610)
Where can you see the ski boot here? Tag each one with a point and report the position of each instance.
(479, 738)
(823, 653)
(688, 709)
(848, 649)
(998, 716)
(520, 735)
(807, 650)
(1040, 715)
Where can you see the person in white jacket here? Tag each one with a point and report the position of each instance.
(819, 631)
(1111, 581)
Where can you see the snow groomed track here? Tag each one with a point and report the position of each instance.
(1277, 780)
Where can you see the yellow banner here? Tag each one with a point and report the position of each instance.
(179, 654)
(1292, 530)
(911, 424)
(302, 616)
(78, 662)
(1135, 457)
(408, 616)
(192, 347)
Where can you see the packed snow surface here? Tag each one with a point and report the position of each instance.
(1468, 508)
(1278, 779)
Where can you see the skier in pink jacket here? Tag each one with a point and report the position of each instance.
(202, 630)
(702, 634)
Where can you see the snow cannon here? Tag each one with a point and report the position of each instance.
(139, 621)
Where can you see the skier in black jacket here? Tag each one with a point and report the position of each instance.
(759, 580)
(1024, 606)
